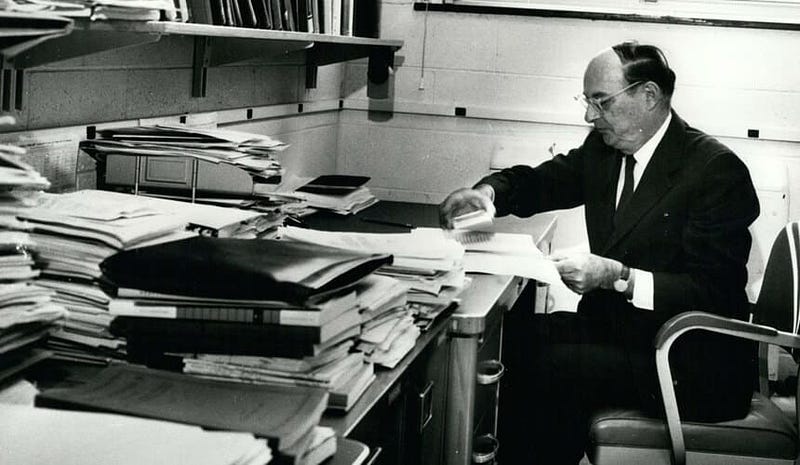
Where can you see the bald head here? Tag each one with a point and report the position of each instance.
(626, 112)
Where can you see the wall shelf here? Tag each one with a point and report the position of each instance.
(214, 46)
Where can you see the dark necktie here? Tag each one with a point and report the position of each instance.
(627, 186)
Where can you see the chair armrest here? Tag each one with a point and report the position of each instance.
(680, 324)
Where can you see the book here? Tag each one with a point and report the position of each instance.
(348, 17)
(131, 326)
(334, 184)
(248, 13)
(289, 15)
(263, 16)
(152, 337)
(239, 268)
(315, 20)
(281, 415)
(256, 313)
(200, 11)
(336, 17)
(277, 15)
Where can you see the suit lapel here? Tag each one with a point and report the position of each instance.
(656, 181)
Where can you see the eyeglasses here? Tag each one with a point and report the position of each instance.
(600, 105)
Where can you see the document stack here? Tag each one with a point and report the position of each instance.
(203, 219)
(287, 417)
(72, 234)
(341, 194)
(27, 311)
(256, 311)
(427, 260)
(248, 151)
(428, 264)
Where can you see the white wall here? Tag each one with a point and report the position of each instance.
(516, 77)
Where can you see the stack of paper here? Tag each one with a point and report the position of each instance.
(15, 173)
(27, 312)
(27, 315)
(504, 253)
(41, 436)
(428, 261)
(387, 339)
(205, 219)
(248, 151)
(71, 235)
(130, 10)
(342, 194)
(345, 376)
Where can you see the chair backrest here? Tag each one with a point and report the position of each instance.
(778, 303)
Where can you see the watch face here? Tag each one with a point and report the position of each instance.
(620, 285)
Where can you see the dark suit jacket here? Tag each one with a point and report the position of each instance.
(686, 223)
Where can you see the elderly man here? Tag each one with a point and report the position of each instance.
(667, 211)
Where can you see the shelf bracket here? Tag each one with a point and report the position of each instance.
(380, 59)
(200, 63)
(311, 75)
(11, 87)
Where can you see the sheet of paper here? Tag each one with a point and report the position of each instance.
(39, 436)
(485, 241)
(419, 243)
(530, 266)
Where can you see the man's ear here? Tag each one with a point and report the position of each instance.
(653, 94)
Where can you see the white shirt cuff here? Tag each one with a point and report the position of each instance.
(643, 292)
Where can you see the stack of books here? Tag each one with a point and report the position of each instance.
(262, 311)
(342, 194)
(27, 311)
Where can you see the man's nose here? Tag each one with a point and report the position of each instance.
(591, 114)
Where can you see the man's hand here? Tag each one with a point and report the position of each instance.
(585, 272)
(464, 201)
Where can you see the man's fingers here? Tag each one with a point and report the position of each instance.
(460, 202)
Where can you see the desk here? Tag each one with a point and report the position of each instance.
(428, 408)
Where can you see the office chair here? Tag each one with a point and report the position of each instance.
(765, 436)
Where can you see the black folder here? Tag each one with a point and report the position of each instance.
(265, 269)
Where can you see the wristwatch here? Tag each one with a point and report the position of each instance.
(621, 284)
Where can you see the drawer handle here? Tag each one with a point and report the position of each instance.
(425, 406)
(484, 448)
(490, 371)
(373, 456)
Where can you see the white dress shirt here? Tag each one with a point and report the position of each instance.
(643, 290)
